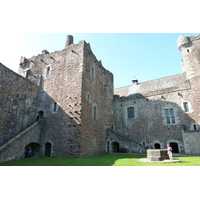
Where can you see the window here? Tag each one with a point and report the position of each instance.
(186, 108)
(93, 72)
(48, 70)
(170, 118)
(55, 107)
(131, 112)
(95, 112)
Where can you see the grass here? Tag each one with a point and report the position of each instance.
(102, 160)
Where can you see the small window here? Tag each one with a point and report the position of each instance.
(186, 107)
(95, 112)
(48, 70)
(55, 107)
(131, 112)
(169, 114)
(188, 50)
(93, 72)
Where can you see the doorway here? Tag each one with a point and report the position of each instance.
(35, 147)
(174, 147)
(48, 149)
(157, 146)
(115, 147)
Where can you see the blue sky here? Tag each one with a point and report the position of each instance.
(146, 56)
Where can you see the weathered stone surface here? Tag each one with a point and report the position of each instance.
(157, 154)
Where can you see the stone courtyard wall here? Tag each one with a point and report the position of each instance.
(18, 104)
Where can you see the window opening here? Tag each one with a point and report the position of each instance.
(195, 127)
(92, 72)
(186, 108)
(48, 70)
(131, 112)
(95, 113)
(55, 107)
(170, 118)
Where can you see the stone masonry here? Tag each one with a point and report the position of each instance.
(63, 104)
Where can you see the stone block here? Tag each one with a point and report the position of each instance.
(157, 154)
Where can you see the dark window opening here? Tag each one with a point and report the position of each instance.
(188, 50)
(55, 107)
(131, 112)
(48, 70)
(186, 108)
(95, 113)
(195, 127)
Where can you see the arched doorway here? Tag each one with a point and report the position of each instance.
(157, 146)
(35, 147)
(39, 116)
(48, 149)
(115, 147)
(174, 147)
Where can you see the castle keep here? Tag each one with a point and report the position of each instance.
(63, 104)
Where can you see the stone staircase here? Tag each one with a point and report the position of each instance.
(14, 149)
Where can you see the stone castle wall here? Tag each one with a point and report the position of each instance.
(18, 104)
(97, 94)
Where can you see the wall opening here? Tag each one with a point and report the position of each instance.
(115, 147)
(174, 147)
(157, 146)
(34, 148)
(48, 149)
(40, 115)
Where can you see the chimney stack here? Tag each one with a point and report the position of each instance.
(69, 41)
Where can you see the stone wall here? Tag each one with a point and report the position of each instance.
(15, 148)
(18, 104)
(97, 97)
(191, 141)
(59, 75)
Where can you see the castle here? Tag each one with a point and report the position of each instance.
(63, 104)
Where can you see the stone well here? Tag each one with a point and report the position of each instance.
(157, 154)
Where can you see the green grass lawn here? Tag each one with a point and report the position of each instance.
(102, 160)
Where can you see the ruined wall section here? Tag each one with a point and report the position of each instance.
(97, 105)
(18, 104)
(59, 75)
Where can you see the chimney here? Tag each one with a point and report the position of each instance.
(69, 41)
(135, 81)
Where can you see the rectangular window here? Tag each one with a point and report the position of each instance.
(170, 118)
(131, 112)
(186, 108)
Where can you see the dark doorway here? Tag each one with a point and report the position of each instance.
(157, 146)
(35, 147)
(174, 147)
(115, 147)
(108, 147)
(48, 149)
(39, 116)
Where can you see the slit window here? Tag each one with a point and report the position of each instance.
(186, 107)
(54, 107)
(48, 71)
